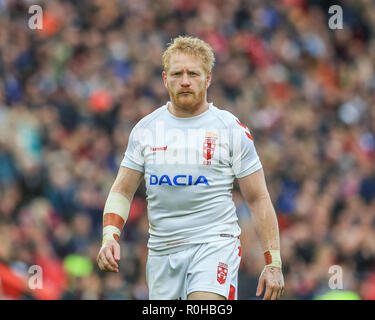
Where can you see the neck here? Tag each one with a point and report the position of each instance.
(182, 112)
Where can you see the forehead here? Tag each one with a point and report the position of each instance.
(185, 61)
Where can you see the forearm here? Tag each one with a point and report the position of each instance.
(117, 206)
(115, 215)
(120, 186)
(266, 225)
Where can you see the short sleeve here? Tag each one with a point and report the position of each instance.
(134, 157)
(245, 159)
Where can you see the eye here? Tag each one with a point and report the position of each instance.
(176, 73)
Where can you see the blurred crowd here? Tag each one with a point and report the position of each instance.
(71, 93)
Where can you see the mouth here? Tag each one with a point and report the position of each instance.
(185, 92)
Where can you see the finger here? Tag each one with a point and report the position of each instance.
(275, 293)
(100, 264)
(116, 252)
(102, 261)
(282, 291)
(110, 258)
(279, 294)
(260, 287)
(268, 293)
(106, 264)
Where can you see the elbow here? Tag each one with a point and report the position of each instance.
(258, 198)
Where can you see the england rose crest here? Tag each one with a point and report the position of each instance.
(209, 145)
(222, 272)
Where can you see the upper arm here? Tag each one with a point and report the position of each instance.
(245, 159)
(127, 182)
(253, 186)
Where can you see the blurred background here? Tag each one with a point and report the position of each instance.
(71, 93)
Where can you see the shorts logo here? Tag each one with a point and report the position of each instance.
(209, 145)
(222, 272)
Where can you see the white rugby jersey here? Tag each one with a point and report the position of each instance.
(189, 166)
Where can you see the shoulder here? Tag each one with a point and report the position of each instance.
(146, 121)
(226, 117)
(231, 122)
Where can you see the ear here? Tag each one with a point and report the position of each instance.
(164, 75)
(208, 79)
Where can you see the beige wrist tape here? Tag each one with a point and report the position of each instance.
(272, 258)
(115, 214)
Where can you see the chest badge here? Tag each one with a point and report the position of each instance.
(209, 145)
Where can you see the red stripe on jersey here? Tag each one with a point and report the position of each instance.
(232, 293)
(242, 125)
(249, 135)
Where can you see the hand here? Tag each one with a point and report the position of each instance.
(108, 255)
(273, 279)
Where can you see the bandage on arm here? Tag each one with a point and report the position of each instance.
(272, 258)
(115, 214)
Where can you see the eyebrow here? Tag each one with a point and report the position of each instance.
(188, 70)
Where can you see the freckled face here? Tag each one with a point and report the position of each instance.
(186, 81)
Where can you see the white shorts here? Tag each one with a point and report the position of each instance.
(209, 267)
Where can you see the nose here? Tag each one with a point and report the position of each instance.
(185, 82)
